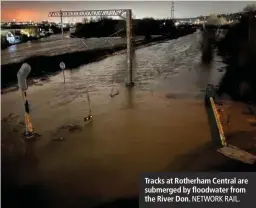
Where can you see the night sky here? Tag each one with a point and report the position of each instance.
(38, 10)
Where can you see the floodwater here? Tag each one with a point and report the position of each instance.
(147, 128)
(55, 45)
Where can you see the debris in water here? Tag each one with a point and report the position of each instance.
(114, 94)
(71, 127)
(10, 115)
(58, 139)
(237, 154)
(22, 123)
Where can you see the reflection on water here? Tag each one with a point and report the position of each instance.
(130, 97)
(12, 48)
(204, 75)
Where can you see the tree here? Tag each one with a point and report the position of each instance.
(250, 8)
(223, 21)
(85, 20)
(212, 20)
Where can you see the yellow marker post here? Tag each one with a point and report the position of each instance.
(29, 126)
(22, 83)
(218, 122)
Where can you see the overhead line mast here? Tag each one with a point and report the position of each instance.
(172, 10)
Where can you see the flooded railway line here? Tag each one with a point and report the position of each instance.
(151, 127)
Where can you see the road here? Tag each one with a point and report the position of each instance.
(54, 45)
(154, 127)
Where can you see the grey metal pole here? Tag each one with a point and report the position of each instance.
(129, 82)
(61, 22)
(204, 23)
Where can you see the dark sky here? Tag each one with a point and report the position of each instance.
(38, 10)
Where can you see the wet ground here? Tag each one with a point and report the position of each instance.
(55, 45)
(159, 125)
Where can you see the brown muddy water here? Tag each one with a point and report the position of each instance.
(152, 127)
